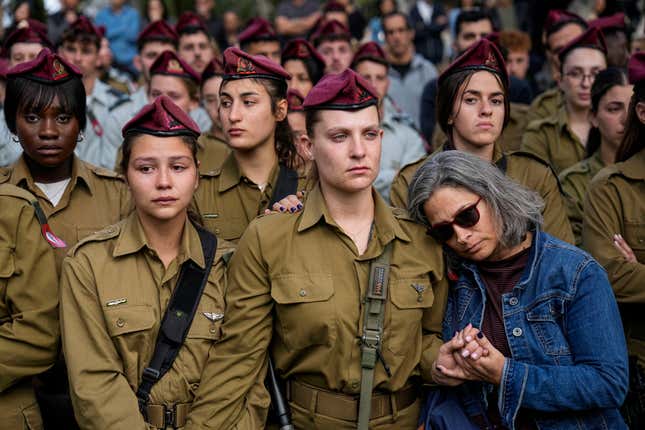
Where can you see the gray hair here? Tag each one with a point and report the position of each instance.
(515, 208)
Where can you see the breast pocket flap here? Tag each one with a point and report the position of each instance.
(411, 293)
(305, 288)
(129, 319)
(7, 265)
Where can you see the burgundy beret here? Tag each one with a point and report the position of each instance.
(592, 38)
(190, 22)
(85, 26)
(371, 51)
(27, 31)
(4, 68)
(239, 65)
(483, 55)
(636, 67)
(215, 67)
(334, 6)
(257, 29)
(158, 30)
(47, 67)
(162, 118)
(300, 49)
(557, 18)
(295, 100)
(168, 63)
(330, 30)
(615, 21)
(346, 91)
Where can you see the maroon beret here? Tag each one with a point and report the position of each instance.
(4, 68)
(239, 65)
(257, 29)
(334, 6)
(615, 21)
(215, 67)
(345, 91)
(371, 51)
(190, 22)
(483, 55)
(159, 30)
(557, 18)
(168, 63)
(295, 100)
(636, 67)
(47, 67)
(27, 31)
(162, 118)
(85, 26)
(300, 49)
(592, 38)
(330, 30)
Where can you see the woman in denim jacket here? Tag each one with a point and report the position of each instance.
(533, 334)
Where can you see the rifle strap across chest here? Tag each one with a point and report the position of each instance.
(286, 185)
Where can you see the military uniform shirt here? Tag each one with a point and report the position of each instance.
(545, 105)
(211, 152)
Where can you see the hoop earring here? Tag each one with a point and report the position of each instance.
(15, 138)
(80, 137)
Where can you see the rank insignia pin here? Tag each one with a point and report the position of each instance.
(213, 316)
(419, 288)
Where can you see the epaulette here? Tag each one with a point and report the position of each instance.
(542, 161)
(400, 213)
(108, 232)
(5, 173)
(537, 123)
(14, 191)
(606, 173)
(211, 173)
(103, 172)
(581, 167)
(121, 99)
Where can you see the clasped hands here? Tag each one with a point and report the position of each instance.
(468, 356)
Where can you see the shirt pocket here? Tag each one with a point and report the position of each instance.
(546, 321)
(7, 269)
(305, 313)
(410, 297)
(227, 228)
(130, 328)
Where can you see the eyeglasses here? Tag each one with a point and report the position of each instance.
(579, 76)
(467, 217)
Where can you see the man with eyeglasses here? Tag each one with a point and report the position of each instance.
(561, 138)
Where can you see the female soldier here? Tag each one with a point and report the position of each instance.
(28, 308)
(117, 285)
(473, 109)
(305, 65)
(314, 297)
(253, 111)
(45, 109)
(610, 96)
(614, 212)
(212, 143)
(542, 309)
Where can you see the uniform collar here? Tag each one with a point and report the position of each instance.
(563, 123)
(230, 174)
(132, 239)
(21, 174)
(386, 225)
(633, 167)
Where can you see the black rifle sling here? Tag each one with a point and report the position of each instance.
(178, 317)
(287, 184)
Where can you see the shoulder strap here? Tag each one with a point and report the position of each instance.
(373, 331)
(287, 184)
(178, 317)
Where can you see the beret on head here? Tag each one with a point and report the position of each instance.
(636, 67)
(169, 63)
(331, 29)
(27, 31)
(295, 100)
(46, 68)
(240, 65)
(557, 18)
(371, 51)
(215, 67)
(592, 38)
(483, 55)
(615, 21)
(190, 22)
(258, 29)
(158, 30)
(300, 49)
(162, 118)
(343, 91)
(84, 25)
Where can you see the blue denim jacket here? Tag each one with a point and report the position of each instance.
(569, 358)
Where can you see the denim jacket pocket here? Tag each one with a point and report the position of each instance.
(545, 319)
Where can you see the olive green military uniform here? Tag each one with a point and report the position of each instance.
(94, 198)
(296, 285)
(552, 140)
(545, 104)
(228, 201)
(114, 292)
(28, 308)
(575, 181)
(524, 168)
(615, 204)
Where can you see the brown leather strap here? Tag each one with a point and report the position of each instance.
(162, 416)
(345, 407)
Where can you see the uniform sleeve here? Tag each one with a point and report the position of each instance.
(535, 142)
(101, 395)
(556, 222)
(603, 216)
(432, 327)
(29, 337)
(573, 205)
(241, 355)
(399, 191)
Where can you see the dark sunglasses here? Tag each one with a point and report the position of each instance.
(467, 217)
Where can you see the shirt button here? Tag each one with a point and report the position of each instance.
(213, 330)
(302, 293)
(217, 231)
(513, 301)
(120, 322)
(354, 384)
(194, 386)
(517, 332)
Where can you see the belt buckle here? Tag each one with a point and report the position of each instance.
(170, 416)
